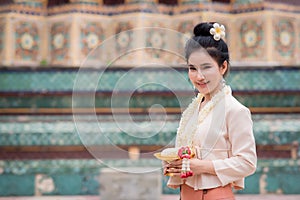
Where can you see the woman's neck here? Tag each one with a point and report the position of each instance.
(209, 96)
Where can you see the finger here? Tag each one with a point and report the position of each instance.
(173, 170)
(173, 174)
(176, 163)
(169, 172)
(176, 174)
(165, 171)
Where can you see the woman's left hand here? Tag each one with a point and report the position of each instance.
(174, 167)
(202, 166)
(197, 166)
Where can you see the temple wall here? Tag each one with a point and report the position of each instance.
(43, 103)
(257, 34)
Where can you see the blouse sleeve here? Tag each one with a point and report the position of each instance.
(243, 160)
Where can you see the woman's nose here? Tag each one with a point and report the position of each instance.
(200, 75)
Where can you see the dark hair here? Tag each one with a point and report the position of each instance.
(203, 39)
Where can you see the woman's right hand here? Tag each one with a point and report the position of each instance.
(165, 168)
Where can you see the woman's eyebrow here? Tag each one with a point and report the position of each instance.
(191, 65)
(205, 64)
(200, 65)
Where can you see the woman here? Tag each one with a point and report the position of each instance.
(215, 124)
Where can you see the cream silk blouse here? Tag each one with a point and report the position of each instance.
(226, 138)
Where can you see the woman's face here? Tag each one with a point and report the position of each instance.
(204, 73)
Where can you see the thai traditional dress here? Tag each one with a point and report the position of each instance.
(221, 132)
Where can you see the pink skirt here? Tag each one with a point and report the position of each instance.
(224, 193)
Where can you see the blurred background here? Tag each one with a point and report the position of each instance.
(90, 89)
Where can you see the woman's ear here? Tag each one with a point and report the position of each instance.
(224, 67)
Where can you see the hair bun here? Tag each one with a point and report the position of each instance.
(202, 29)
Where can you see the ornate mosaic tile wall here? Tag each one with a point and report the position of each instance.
(88, 33)
(61, 130)
(52, 80)
(45, 42)
(81, 177)
(253, 87)
(52, 88)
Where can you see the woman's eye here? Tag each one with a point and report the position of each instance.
(206, 67)
(192, 68)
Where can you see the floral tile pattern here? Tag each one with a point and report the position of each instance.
(284, 37)
(156, 40)
(60, 41)
(92, 34)
(184, 27)
(27, 41)
(252, 39)
(124, 37)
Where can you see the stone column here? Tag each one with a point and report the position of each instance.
(6, 38)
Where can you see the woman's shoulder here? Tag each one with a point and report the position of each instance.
(233, 105)
(237, 112)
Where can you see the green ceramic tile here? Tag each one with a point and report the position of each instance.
(143, 80)
(268, 129)
(251, 184)
(17, 185)
(80, 177)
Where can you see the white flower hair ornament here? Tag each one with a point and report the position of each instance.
(218, 31)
